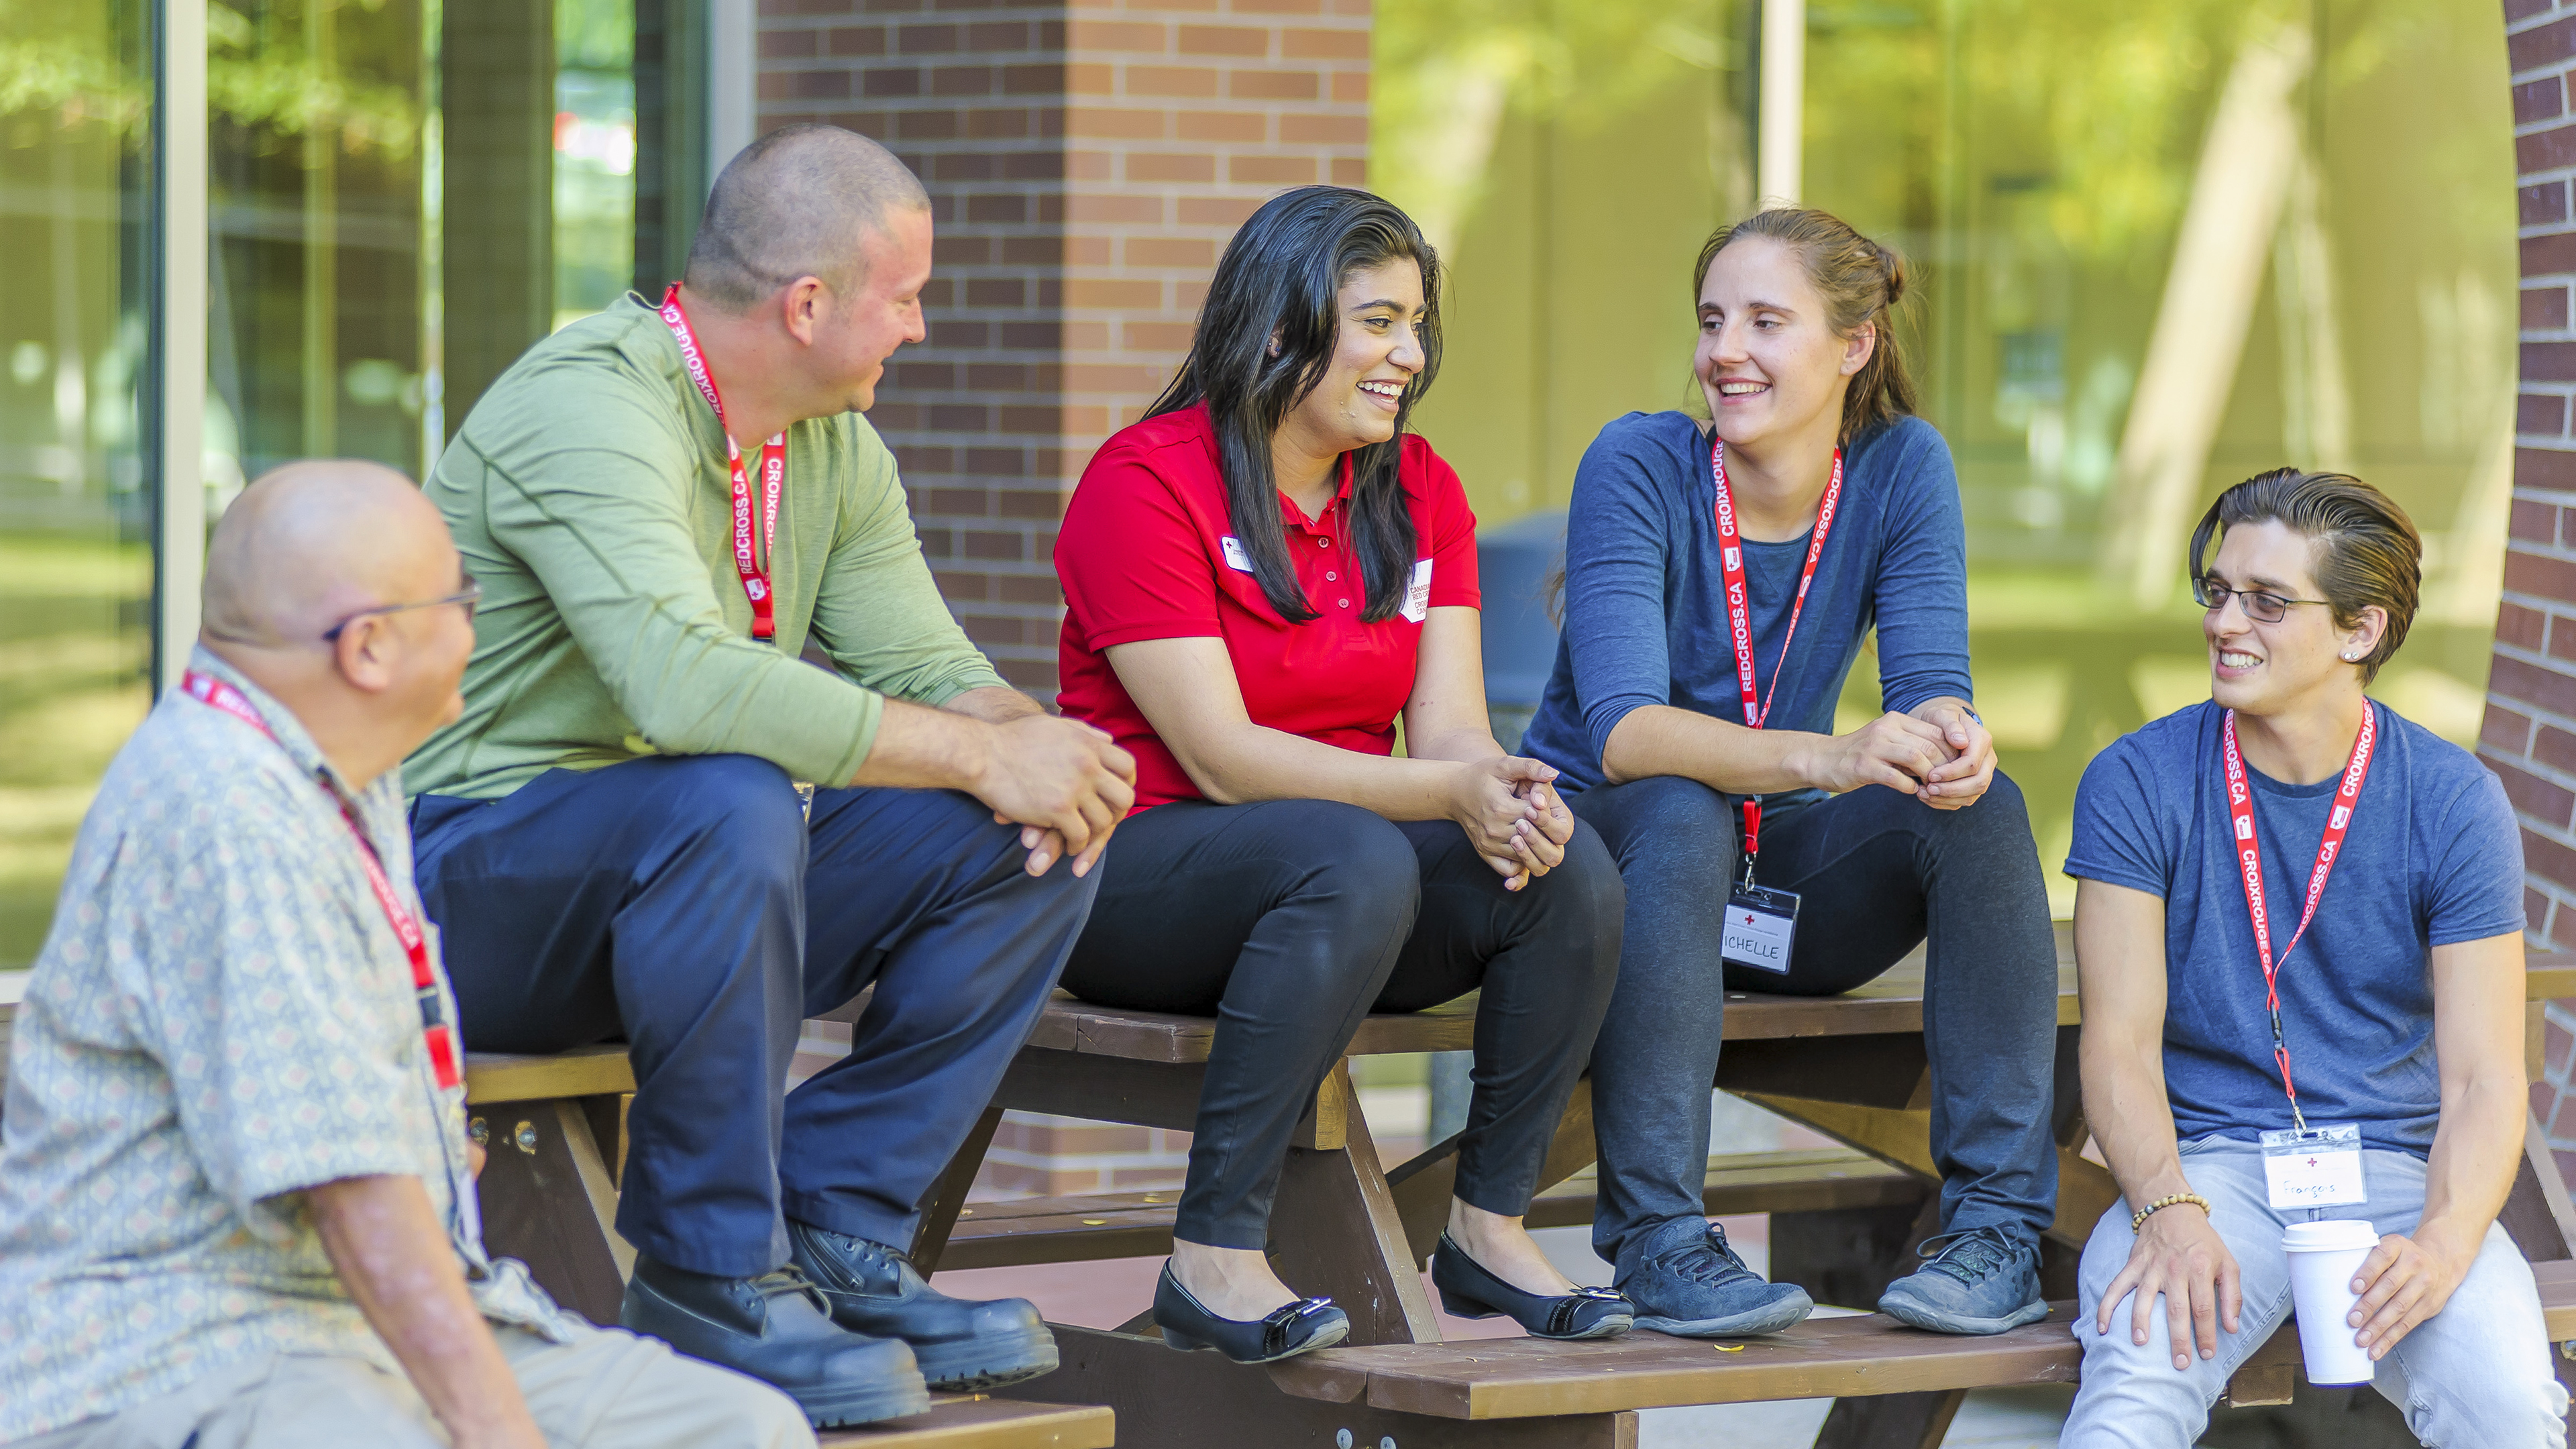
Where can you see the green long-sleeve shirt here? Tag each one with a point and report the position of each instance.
(589, 494)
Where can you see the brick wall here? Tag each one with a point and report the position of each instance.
(2529, 737)
(1086, 160)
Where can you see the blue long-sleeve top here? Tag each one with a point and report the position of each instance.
(1645, 598)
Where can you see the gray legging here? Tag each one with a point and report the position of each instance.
(1874, 868)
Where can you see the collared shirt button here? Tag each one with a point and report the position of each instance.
(1331, 577)
(1323, 543)
(1346, 603)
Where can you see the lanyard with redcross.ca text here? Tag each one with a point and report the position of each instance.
(2249, 861)
(750, 560)
(1739, 613)
(436, 1034)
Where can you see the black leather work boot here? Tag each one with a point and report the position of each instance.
(775, 1329)
(963, 1345)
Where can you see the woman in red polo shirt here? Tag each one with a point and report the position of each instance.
(1262, 579)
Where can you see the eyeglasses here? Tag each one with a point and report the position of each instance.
(2259, 606)
(469, 596)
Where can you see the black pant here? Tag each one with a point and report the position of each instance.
(1874, 869)
(1290, 920)
(683, 904)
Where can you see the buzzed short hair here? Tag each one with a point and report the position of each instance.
(795, 203)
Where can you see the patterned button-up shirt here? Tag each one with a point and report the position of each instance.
(221, 1019)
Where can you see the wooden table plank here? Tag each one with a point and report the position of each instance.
(1849, 1357)
(1822, 1358)
(976, 1422)
(591, 1071)
(1139, 1224)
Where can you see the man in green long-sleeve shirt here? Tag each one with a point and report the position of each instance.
(662, 506)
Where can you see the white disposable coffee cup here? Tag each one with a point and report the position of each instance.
(2323, 1259)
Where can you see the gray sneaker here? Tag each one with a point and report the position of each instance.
(1685, 1280)
(1979, 1281)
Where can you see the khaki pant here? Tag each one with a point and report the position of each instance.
(607, 1389)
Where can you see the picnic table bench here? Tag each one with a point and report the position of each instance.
(1346, 1225)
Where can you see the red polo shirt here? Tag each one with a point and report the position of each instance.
(1143, 555)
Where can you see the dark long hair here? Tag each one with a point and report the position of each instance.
(1281, 277)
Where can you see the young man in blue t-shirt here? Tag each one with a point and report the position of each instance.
(2387, 912)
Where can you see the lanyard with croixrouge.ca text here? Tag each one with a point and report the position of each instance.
(1739, 613)
(749, 560)
(436, 1034)
(2249, 861)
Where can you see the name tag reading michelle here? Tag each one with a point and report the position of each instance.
(1760, 924)
(2320, 1167)
(1417, 595)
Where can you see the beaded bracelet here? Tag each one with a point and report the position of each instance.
(2195, 1199)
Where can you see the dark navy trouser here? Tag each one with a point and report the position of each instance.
(1875, 871)
(681, 903)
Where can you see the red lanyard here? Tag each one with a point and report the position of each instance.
(749, 561)
(439, 1037)
(1739, 612)
(2249, 860)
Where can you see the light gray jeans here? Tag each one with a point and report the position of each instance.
(607, 1389)
(2474, 1376)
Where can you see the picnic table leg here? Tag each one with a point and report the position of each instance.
(1335, 1231)
(948, 1195)
(1891, 1421)
(548, 1201)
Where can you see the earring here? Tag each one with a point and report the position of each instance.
(2351, 658)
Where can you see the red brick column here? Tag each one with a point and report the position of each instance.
(1087, 162)
(2529, 737)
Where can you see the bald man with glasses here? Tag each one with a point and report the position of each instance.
(236, 1194)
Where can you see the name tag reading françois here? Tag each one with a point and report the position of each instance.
(2320, 1167)
(1761, 923)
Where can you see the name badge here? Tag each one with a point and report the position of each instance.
(1417, 595)
(2320, 1167)
(1235, 557)
(1760, 924)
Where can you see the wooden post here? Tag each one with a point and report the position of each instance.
(548, 1202)
(948, 1195)
(1335, 1232)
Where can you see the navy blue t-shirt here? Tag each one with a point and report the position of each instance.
(1645, 599)
(2433, 858)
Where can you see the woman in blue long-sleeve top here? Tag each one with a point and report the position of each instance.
(1813, 509)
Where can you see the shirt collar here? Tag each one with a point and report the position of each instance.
(291, 735)
(1289, 514)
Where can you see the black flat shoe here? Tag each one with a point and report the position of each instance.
(1300, 1327)
(1468, 1291)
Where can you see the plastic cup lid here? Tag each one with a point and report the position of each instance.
(2334, 1235)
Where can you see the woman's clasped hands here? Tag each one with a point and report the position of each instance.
(1512, 814)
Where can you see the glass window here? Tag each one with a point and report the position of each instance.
(2158, 247)
(594, 136)
(75, 520)
(315, 272)
(361, 199)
